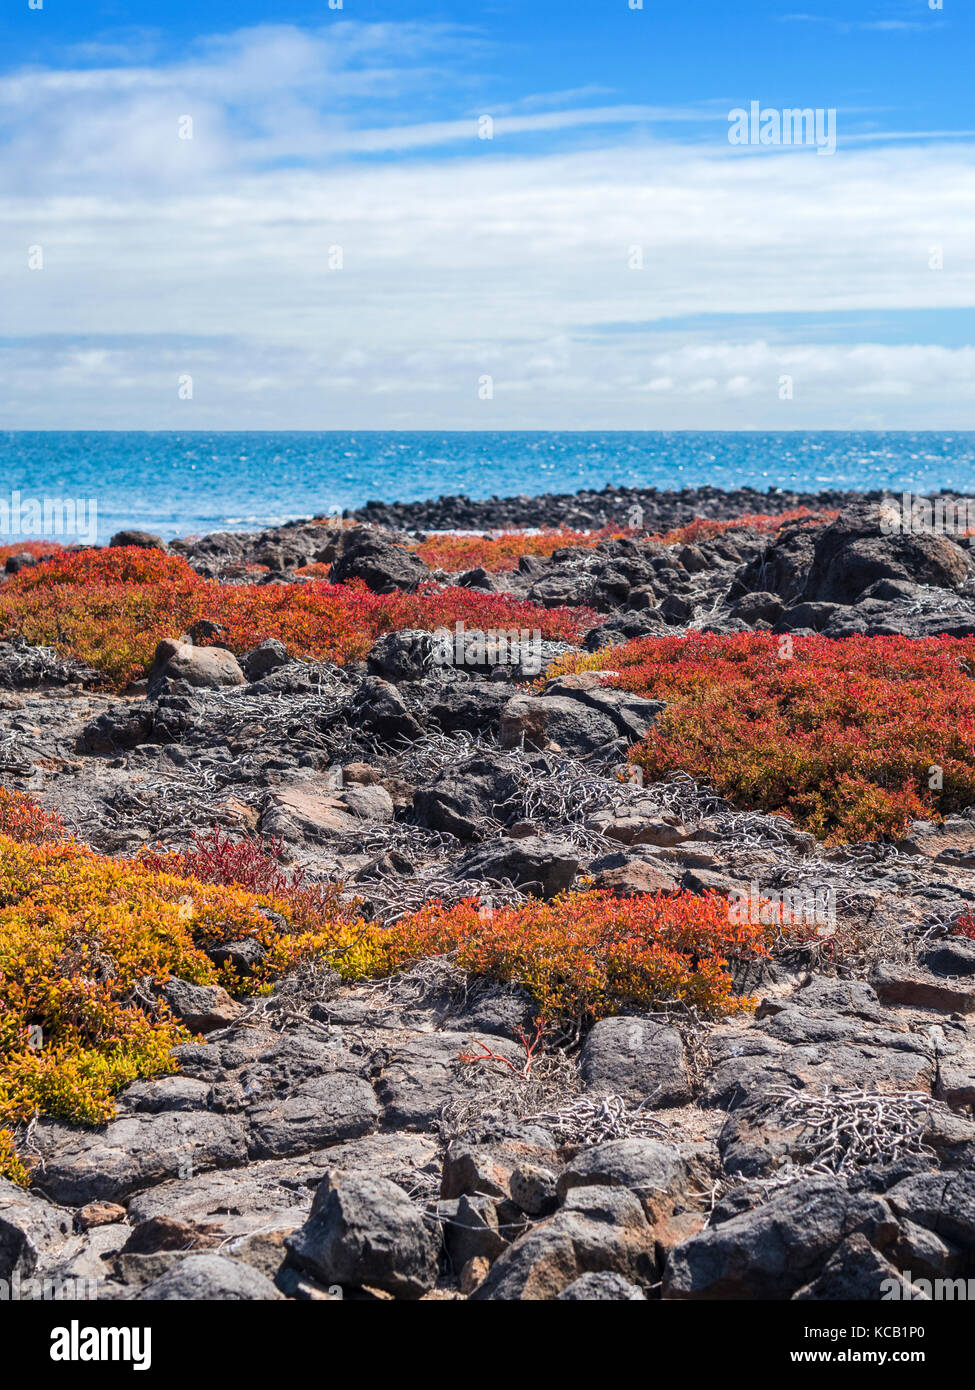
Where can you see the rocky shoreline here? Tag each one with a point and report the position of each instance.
(407, 1138)
(662, 509)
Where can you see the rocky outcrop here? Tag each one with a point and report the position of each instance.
(379, 563)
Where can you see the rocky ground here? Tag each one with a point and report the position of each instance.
(392, 1140)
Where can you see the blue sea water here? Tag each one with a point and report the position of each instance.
(180, 484)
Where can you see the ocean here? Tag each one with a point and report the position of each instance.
(183, 484)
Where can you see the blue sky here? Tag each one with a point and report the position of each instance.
(337, 245)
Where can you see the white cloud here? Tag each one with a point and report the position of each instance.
(209, 257)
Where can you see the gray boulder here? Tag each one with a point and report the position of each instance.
(855, 1271)
(206, 668)
(490, 1168)
(22, 561)
(145, 540)
(638, 1059)
(211, 1279)
(775, 1249)
(270, 656)
(31, 1229)
(632, 715)
(276, 1194)
(952, 957)
(601, 1288)
(534, 1189)
(166, 1093)
(381, 564)
(782, 567)
(757, 607)
(541, 864)
(380, 707)
(202, 1008)
(815, 1048)
(365, 1232)
(427, 1073)
(555, 721)
(321, 1111)
(402, 656)
(599, 1230)
(652, 1171)
(943, 1203)
(461, 798)
(472, 706)
(852, 554)
(243, 955)
(108, 1163)
(371, 803)
(472, 1229)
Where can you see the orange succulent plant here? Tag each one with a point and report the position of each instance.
(852, 738)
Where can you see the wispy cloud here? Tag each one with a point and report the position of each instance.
(849, 26)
